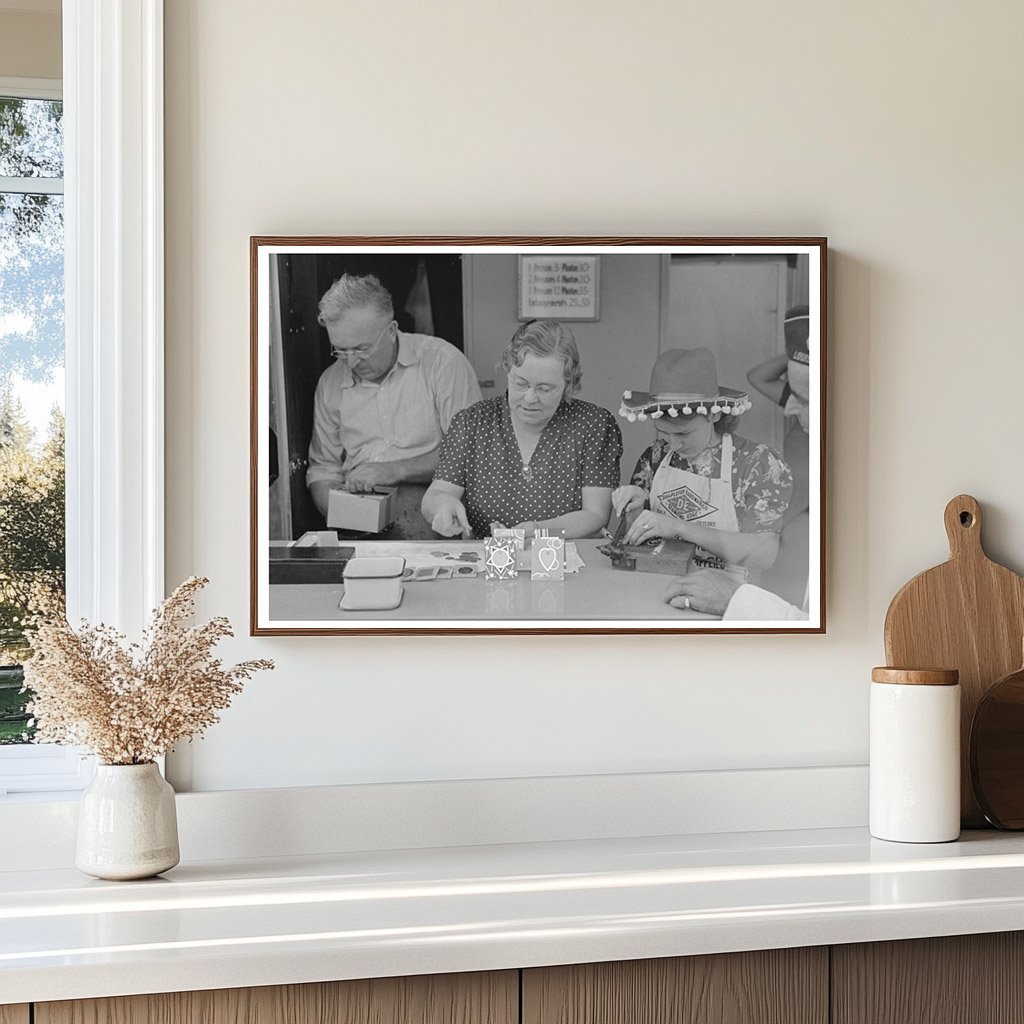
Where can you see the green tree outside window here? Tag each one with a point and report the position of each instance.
(32, 539)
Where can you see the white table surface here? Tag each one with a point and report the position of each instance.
(237, 923)
(596, 592)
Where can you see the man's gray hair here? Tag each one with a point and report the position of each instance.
(546, 338)
(353, 292)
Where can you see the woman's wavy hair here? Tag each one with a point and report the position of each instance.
(546, 338)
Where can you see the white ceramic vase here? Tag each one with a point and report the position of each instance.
(127, 825)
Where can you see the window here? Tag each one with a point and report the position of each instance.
(113, 334)
(31, 381)
(32, 536)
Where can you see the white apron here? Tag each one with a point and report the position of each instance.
(704, 500)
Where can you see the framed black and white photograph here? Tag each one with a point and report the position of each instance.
(537, 435)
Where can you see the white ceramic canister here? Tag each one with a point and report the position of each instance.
(915, 755)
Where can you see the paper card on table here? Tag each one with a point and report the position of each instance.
(548, 558)
(318, 539)
(573, 561)
(514, 533)
(500, 558)
(417, 554)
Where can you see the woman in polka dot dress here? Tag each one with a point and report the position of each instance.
(535, 457)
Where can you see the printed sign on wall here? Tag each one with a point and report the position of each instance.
(559, 287)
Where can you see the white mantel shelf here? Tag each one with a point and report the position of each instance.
(224, 924)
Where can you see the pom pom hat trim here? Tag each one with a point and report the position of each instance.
(684, 381)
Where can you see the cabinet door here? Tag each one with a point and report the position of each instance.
(491, 998)
(962, 979)
(14, 1014)
(781, 986)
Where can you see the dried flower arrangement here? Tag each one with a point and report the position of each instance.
(129, 704)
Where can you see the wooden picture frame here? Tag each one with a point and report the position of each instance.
(317, 428)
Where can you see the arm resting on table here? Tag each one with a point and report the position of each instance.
(587, 522)
(751, 550)
(442, 507)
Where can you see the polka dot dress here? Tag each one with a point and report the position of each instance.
(580, 447)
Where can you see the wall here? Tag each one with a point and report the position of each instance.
(893, 129)
(30, 43)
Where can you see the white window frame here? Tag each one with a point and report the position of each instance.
(114, 336)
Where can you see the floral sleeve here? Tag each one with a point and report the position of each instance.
(647, 466)
(764, 487)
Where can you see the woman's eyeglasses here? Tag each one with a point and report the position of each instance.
(544, 390)
(359, 352)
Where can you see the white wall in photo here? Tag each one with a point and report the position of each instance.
(592, 118)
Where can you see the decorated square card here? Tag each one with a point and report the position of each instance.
(547, 558)
(500, 558)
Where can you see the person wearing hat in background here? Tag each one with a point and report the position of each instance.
(786, 381)
(699, 482)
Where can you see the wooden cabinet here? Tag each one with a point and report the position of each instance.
(491, 998)
(968, 979)
(963, 979)
(777, 986)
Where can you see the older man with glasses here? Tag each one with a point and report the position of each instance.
(383, 406)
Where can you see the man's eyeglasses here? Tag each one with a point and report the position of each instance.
(359, 352)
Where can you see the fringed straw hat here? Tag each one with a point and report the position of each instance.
(684, 381)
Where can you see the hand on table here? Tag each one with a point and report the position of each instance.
(650, 525)
(628, 498)
(450, 519)
(368, 477)
(704, 590)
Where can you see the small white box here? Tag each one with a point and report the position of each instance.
(363, 513)
(373, 583)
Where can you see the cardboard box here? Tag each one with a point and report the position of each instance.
(362, 513)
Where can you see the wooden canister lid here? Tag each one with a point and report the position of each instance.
(916, 676)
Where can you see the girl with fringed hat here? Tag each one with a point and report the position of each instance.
(698, 481)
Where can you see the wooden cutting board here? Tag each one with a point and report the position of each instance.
(967, 614)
